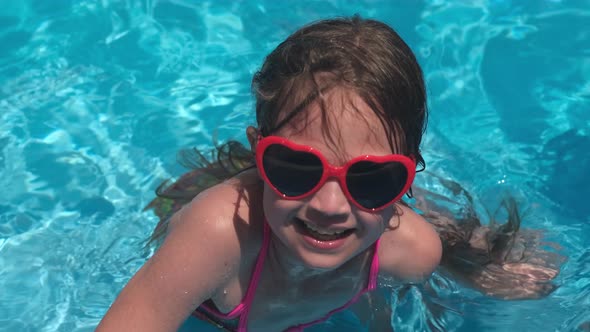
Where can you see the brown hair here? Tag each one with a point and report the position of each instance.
(363, 55)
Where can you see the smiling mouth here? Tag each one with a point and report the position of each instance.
(322, 234)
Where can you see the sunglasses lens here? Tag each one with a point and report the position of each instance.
(293, 173)
(373, 185)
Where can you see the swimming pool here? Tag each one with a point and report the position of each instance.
(96, 98)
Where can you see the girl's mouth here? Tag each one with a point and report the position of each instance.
(319, 234)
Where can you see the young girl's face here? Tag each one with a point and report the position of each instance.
(325, 230)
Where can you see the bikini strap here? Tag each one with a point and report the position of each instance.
(374, 273)
(247, 301)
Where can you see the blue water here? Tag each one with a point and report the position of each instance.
(96, 98)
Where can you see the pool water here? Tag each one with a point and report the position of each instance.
(96, 98)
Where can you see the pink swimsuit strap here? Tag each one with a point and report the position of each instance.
(243, 325)
(243, 308)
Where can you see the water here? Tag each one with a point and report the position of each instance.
(97, 97)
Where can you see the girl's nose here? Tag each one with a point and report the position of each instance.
(330, 200)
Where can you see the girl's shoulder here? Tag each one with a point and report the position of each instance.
(223, 223)
(234, 203)
(411, 250)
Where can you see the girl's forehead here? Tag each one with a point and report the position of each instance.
(346, 127)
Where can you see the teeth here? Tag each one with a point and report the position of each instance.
(321, 231)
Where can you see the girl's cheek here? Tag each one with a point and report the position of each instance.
(275, 207)
(383, 218)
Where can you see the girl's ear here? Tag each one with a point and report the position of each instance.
(252, 134)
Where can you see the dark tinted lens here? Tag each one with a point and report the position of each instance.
(293, 173)
(373, 185)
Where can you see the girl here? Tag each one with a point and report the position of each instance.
(310, 217)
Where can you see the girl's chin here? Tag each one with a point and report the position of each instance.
(319, 252)
(324, 256)
(321, 262)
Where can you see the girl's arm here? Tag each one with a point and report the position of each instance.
(199, 254)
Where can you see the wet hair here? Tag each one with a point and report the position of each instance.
(364, 56)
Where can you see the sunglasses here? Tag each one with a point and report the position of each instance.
(295, 171)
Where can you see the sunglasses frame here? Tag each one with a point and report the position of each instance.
(331, 171)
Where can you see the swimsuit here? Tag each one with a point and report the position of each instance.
(237, 319)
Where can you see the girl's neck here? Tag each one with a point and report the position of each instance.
(293, 271)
